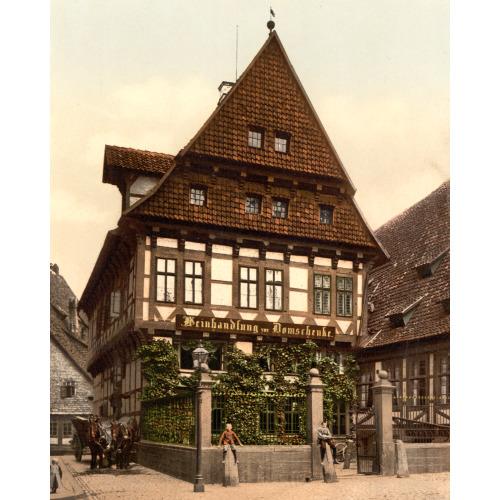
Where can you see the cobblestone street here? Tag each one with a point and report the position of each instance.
(139, 482)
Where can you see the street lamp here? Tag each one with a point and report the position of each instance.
(200, 356)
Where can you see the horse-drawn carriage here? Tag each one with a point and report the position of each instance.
(106, 440)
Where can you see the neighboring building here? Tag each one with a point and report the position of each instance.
(250, 234)
(408, 329)
(70, 384)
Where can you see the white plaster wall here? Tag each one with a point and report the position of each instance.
(246, 347)
(145, 311)
(193, 245)
(222, 249)
(147, 262)
(165, 311)
(322, 261)
(343, 325)
(142, 185)
(345, 264)
(249, 252)
(221, 294)
(360, 302)
(301, 259)
(360, 283)
(222, 269)
(274, 256)
(146, 288)
(298, 301)
(298, 277)
(166, 242)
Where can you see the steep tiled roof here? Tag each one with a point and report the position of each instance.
(225, 207)
(270, 96)
(118, 158)
(60, 295)
(419, 235)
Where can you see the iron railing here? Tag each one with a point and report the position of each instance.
(260, 419)
(170, 420)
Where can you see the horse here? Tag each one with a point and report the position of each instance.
(99, 443)
(123, 437)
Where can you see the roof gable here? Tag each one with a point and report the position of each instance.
(269, 96)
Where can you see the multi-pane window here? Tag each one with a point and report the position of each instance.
(274, 289)
(193, 282)
(365, 393)
(322, 294)
(326, 215)
(418, 382)
(344, 296)
(252, 205)
(115, 307)
(339, 418)
(67, 429)
(198, 196)
(68, 389)
(165, 280)
(53, 429)
(266, 417)
(282, 142)
(444, 379)
(280, 208)
(292, 416)
(255, 138)
(248, 287)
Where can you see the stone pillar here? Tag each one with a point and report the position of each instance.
(401, 460)
(382, 407)
(314, 391)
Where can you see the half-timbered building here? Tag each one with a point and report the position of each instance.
(250, 234)
(408, 328)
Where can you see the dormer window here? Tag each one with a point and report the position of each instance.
(403, 317)
(428, 268)
(282, 142)
(326, 215)
(280, 208)
(255, 137)
(198, 196)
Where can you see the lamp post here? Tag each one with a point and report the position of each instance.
(199, 363)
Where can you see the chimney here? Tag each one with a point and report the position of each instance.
(73, 322)
(224, 89)
(55, 268)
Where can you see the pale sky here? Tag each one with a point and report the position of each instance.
(144, 74)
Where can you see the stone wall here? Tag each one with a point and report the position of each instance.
(256, 463)
(428, 457)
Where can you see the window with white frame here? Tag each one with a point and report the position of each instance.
(418, 382)
(165, 279)
(248, 287)
(322, 291)
(274, 289)
(198, 196)
(115, 306)
(282, 142)
(344, 296)
(67, 429)
(193, 282)
(252, 205)
(53, 429)
(255, 137)
(280, 208)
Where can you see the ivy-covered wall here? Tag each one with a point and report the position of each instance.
(246, 389)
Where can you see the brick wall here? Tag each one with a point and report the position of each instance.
(428, 457)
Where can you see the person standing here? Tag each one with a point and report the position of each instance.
(324, 438)
(55, 475)
(227, 438)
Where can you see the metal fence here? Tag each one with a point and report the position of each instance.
(260, 419)
(421, 423)
(170, 420)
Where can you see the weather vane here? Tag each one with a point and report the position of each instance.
(270, 23)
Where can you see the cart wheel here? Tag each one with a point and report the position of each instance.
(77, 447)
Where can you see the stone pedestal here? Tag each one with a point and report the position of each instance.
(329, 474)
(231, 477)
(314, 391)
(382, 407)
(349, 453)
(401, 460)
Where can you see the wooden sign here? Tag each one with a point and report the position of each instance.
(226, 325)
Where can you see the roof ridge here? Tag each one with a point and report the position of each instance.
(139, 150)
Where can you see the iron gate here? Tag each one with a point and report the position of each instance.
(366, 442)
